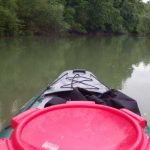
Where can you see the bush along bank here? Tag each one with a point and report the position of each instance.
(26, 17)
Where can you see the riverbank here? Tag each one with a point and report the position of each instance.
(73, 34)
(65, 35)
(38, 17)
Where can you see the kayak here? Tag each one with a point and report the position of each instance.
(77, 112)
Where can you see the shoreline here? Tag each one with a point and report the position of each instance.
(73, 34)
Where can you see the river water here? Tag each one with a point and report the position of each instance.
(29, 64)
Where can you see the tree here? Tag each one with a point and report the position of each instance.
(144, 23)
(104, 17)
(129, 10)
(41, 16)
(8, 19)
(77, 16)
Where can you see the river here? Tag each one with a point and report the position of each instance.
(28, 64)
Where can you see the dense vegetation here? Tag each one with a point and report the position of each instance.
(21, 17)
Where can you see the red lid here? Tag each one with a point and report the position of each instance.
(78, 126)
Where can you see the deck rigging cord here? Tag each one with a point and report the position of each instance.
(75, 79)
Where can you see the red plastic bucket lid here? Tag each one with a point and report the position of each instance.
(78, 126)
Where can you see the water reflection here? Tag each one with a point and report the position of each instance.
(138, 86)
(28, 64)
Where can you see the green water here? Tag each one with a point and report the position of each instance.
(28, 64)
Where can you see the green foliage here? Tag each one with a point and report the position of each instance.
(144, 25)
(41, 16)
(77, 16)
(117, 16)
(129, 11)
(8, 19)
(105, 17)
